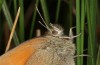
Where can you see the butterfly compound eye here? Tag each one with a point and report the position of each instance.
(54, 32)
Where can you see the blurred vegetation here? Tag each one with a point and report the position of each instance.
(82, 14)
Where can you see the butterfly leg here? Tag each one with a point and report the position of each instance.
(71, 36)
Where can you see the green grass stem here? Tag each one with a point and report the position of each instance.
(15, 6)
(33, 20)
(1, 1)
(78, 31)
(98, 57)
(9, 21)
(91, 14)
(45, 11)
(21, 21)
(57, 11)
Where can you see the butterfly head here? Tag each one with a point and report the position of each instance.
(55, 30)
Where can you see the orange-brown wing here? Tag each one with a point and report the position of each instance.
(20, 54)
(41, 57)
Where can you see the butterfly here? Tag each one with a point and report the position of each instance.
(54, 48)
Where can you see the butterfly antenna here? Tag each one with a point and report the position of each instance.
(42, 20)
(42, 24)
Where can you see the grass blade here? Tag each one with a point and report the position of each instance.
(9, 21)
(15, 6)
(82, 29)
(33, 21)
(78, 30)
(57, 11)
(12, 31)
(91, 14)
(98, 57)
(21, 21)
(45, 11)
(1, 1)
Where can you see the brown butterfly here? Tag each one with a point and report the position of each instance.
(52, 49)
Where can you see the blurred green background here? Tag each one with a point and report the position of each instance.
(82, 14)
